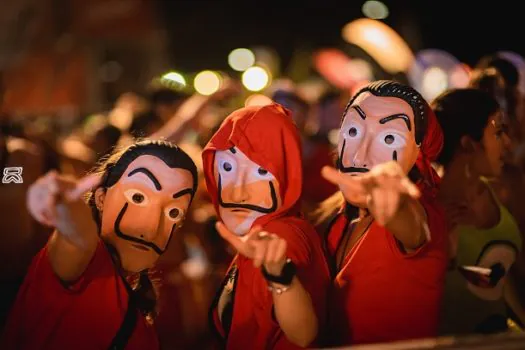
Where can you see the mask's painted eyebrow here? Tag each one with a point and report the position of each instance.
(359, 111)
(149, 174)
(397, 116)
(183, 192)
(233, 150)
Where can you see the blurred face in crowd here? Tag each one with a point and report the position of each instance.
(495, 147)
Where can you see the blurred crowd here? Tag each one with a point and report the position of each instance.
(188, 275)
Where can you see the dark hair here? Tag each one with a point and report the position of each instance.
(165, 96)
(511, 77)
(492, 82)
(328, 96)
(507, 69)
(388, 88)
(110, 134)
(142, 121)
(462, 112)
(292, 96)
(489, 80)
(114, 166)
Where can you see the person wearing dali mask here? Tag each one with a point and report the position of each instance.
(77, 294)
(274, 293)
(387, 242)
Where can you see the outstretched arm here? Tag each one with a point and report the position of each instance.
(192, 109)
(391, 199)
(56, 201)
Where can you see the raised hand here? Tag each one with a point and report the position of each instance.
(383, 190)
(261, 247)
(55, 200)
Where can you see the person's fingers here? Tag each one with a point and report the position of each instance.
(85, 184)
(352, 184)
(410, 188)
(271, 252)
(378, 205)
(391, 205)
(260, 248)
(281, 250)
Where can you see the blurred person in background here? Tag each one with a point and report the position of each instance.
(300, 108)
(103, 139)
(329, 109)
(510, 184)
(514, 101)
(165, 101)
(186, 123)
(316, 150)
(485, 240)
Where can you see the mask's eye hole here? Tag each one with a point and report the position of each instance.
(389, 139)
(227, 166)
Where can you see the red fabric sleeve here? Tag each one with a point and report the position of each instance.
(438, 230)
(41, 293)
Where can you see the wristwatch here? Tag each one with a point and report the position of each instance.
(287, 274)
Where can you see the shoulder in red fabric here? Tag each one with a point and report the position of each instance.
(85, 315)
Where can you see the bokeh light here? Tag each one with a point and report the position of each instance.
(381, 42)
(207, 82)
(174, 77)
(435, 81)
(360, 70)
(460, 76)
(241, 59)
(375, 9)
(333, 65)
(434, 71)
(255, 78)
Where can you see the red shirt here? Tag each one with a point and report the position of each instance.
(383, 294)
(85, 316)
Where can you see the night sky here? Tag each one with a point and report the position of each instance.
(202, 33)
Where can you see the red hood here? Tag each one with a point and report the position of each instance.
(268, 136)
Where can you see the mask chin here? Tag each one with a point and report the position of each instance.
(358, 205)
(242, 229)
(134, 266)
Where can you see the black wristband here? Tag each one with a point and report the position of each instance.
(287, 274)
